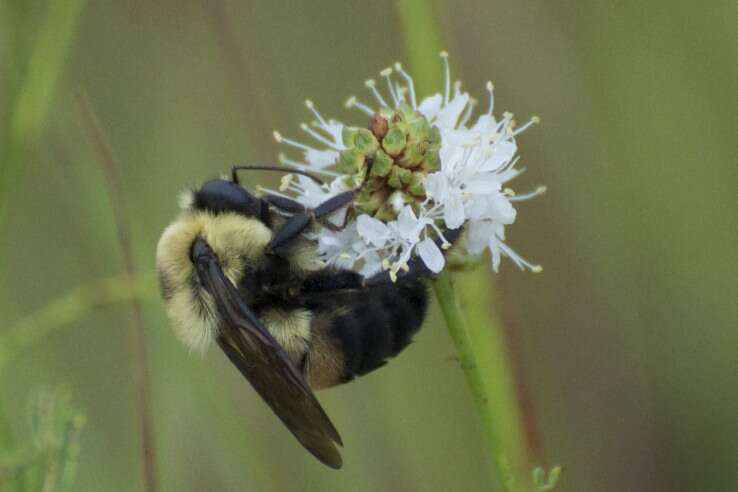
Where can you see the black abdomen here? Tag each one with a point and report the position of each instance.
(375, 324)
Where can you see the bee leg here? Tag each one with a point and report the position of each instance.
(415, 267)
(285, 204)
(296, 224)
(336, 228)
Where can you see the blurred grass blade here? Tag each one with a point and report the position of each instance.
(119, 209)
(33, 97)
(6, 432)
(71, 307)
(423, 43)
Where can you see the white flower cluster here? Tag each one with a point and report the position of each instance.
(477, 160)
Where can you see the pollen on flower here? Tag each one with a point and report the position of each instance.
(418, 169)
(285, 182)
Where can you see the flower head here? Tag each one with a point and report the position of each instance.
(418, 170)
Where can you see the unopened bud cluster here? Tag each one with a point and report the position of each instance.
(387, 162)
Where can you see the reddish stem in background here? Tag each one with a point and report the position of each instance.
(532, 434)
(141, 378)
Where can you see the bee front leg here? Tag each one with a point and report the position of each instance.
(296, 224)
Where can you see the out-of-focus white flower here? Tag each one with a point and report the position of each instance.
(413, 189)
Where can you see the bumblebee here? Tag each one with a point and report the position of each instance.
(238, 269)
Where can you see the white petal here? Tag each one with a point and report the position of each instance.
(335, 128)
(430, 106)
(431, 255)
(372, 264)
(453, 212)
(372, 230)
(449, 115)
(436, 186)
(477, 208)
(483, 184)
(501, 209)
(502, 153)
(407, 221)
(509, 174)
(485, 124)
(408, 224)
(321, 158)
(494, 248)
(480, 233)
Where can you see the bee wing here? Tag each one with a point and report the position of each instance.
(252, 349)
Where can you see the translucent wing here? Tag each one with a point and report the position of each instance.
(259, 357)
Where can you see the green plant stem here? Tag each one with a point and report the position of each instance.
(477, 333)
(476, 290)
(70, 307)
(423, 42)
(473, 372)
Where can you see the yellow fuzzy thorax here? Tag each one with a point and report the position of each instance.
(239, 243)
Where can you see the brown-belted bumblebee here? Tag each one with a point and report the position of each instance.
(238, 269)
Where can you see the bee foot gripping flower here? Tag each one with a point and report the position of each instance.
(418, 169)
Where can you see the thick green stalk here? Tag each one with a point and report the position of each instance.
(476, 290)
(476, 331)
(422, 36)
(474, 373)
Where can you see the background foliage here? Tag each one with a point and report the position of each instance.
(627, 341)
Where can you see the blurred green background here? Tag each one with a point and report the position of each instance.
(627, 341)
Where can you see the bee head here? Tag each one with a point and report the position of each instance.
(219, 195)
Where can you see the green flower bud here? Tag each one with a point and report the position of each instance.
(414, 154)
(348, 135)
(369, 201)
(432, 162)
(399, 177)
(394, 141)
(365, 141)
(416, 185)
(382, 164)
(350, 161)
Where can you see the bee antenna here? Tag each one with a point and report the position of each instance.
(282, 169)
